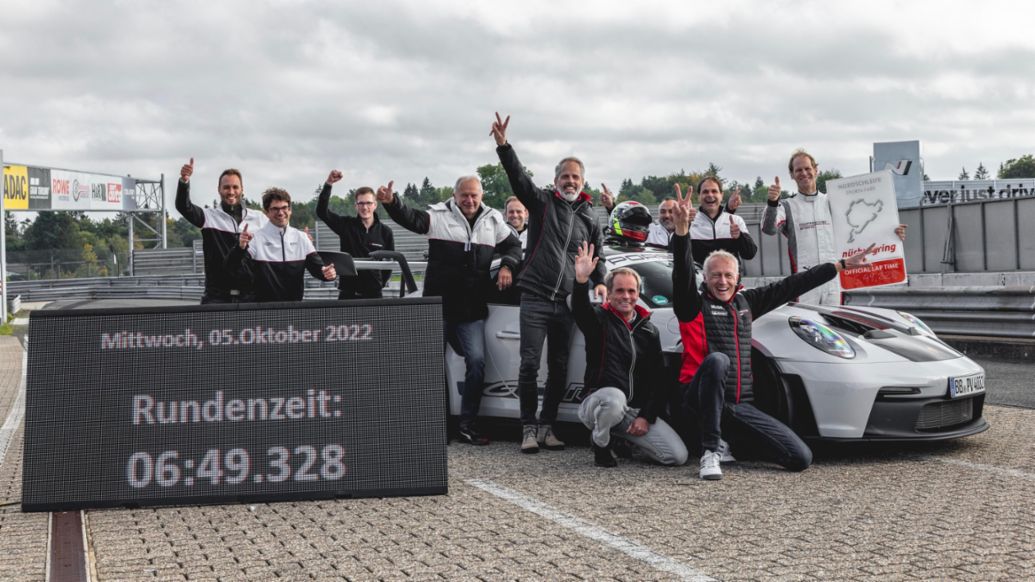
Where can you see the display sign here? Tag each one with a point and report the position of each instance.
(35, 188)
(216, 404)
(902, 159)
(864, 213)
(956, 191)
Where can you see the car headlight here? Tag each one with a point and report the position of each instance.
(916, 322)
(822, 337)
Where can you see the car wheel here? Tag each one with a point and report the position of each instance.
(782, 397)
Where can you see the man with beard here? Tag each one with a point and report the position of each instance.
(562, 219)
(220, 230)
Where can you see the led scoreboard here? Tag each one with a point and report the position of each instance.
(215, 404)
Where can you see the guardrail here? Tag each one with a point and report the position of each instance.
(1006, 312)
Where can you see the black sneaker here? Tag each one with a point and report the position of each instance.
(602, 457)
(622, 448)
(470, 436)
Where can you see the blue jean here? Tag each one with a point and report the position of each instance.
(468, 341)
(705, 406)
(550, 321)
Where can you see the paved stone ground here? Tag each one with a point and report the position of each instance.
(954, 511)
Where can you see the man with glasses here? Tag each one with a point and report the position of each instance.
(277, 255)
(360, 235)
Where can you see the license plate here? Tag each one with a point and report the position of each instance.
(966, 385)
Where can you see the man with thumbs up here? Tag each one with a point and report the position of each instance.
(804, 218)
(220, 228)
(277, 255)
(714, 229)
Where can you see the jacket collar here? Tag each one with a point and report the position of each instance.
(642, 314)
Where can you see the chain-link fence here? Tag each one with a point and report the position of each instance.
(63, 264)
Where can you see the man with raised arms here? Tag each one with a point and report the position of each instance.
(220, 230)
(624, 380)
(360, 235)
(562, 218)
(715, 327)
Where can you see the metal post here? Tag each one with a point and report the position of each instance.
(3, 240)
(130, 219)
(165, 237)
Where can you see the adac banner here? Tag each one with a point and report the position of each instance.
(16, 188)
(865, 215)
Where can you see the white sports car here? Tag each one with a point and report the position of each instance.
(841, 373)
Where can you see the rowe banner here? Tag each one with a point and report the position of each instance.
(864, 213)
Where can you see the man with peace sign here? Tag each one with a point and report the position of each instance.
(804, 218)
(220, 227)
(560, 219)
(715, 374)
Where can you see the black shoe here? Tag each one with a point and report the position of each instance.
(622, 448)
(602, 457)
(470, 436)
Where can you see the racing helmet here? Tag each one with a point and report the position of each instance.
(629, 223)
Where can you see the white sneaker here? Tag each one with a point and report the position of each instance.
(710, 469)
(725, 456)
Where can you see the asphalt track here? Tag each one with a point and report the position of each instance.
(962, 510)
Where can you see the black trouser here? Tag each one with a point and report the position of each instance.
(744, 426)
(551, 321)
(360, 287)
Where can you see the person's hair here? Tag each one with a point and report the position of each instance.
(560, 166)
(798, 153)
(462, 179)
(664, 200)
(720, 255)
(506, 204)
(609, 280)
(274, 194)
(363, 190)
(716, 179)
(231, 172)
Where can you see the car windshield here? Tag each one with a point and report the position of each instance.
(657, 282)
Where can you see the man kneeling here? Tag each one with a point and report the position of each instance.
(621, 339)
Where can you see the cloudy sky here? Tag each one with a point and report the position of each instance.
(401, 90)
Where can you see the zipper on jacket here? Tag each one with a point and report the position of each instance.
(564, 255)
(632, 365)
(736, 346)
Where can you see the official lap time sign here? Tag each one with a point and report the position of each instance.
(217, 404)
(864, 212)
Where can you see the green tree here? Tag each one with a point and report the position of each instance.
(427, 194)
(963, 174)
(1022, 167)
(495, 184)
(821, 179)
(981, 173)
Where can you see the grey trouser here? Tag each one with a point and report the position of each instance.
(606, 413)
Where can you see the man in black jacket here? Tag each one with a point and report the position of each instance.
(715, 326)
(624, 380)
(359, 235)
(560, 220)
(463, 235)
(220, 229)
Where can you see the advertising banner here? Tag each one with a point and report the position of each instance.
(902, 159)
(16, 188)
(956, 191)
(864, 212)
(39, 188)
(72, 190)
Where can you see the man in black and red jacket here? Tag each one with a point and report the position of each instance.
(623, 377)
(715, 326)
